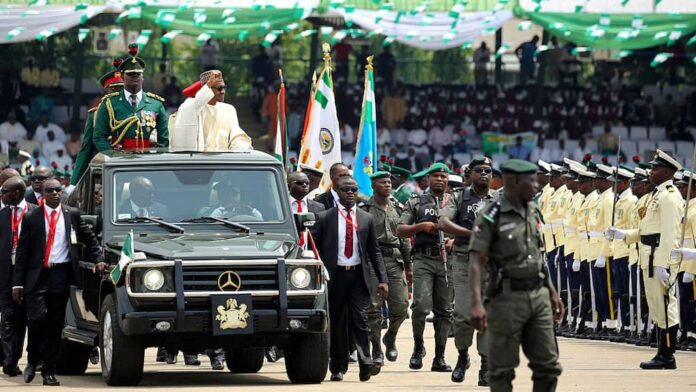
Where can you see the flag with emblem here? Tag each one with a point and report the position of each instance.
(126, 257)
(321, 141)
(366, 151)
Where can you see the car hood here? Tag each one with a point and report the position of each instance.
(205, 246)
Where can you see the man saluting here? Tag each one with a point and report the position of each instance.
(46, 265)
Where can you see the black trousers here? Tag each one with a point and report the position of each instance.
(349, 301)
(46, 315)
(13, 327)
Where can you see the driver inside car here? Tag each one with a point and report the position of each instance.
(231, 204)
(142, 201)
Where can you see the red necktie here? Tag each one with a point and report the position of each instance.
(299, 211)
(15, 227)
(53, 222)
(40, 201)
(348, 251)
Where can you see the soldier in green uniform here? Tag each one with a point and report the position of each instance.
(521, 302)
(112, 83)
(126, 120)
(430, 287)
(402, 189)
(386, 211)
(458, 220)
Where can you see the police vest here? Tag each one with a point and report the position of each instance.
(426, 212)
(467, 209)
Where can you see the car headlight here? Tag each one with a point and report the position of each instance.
(300, 278)
(153, 279)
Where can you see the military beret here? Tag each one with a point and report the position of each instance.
(478, 161)
(665, 160)
(420, 174)
(400, 171)
(438, 167)
(518, 166)
(380, 174)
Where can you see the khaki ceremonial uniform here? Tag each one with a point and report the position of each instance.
(396, 256)
(545, 208)
(463, 212)
(518, 304)
(587, 252)
(641, 205)
(570, 223)
(658, 235)
(690, 240)
(624, 219)
(430, 287)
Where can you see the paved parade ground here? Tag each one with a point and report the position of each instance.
(587, 366)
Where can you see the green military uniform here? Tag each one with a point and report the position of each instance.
(111, 79)
(396, 253)
(463, 211)
(518, 305)
(430, 287)
(119, 124)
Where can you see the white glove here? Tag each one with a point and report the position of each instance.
(687, 278)
(614, 234)
(662, 274)
(686, 254)
(601, 262)
(576, 265)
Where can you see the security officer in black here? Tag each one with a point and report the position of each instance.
(430, 281)
(458, 220)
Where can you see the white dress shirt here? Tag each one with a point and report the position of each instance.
(60, 251)
(136, 208)
(342, 259)
(138, 97)
(335, 197)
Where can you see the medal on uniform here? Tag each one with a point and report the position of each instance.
(641, 212)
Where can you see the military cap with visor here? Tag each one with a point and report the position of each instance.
(133, 63)
(665, 160)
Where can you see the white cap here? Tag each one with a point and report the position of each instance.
(604, 171)
(24, 154)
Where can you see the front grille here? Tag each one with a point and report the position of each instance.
(254, 277)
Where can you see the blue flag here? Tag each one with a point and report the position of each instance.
(366, 151)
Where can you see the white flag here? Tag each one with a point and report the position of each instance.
(321, 143)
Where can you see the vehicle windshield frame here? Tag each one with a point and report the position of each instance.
(283, 210)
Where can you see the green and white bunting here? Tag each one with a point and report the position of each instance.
(167, 38)
(14, 33)
(82, 34)
(143, 38)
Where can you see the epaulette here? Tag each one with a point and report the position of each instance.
(492, 213)
(669, 188)
(110, 95)
(395, 202)
(155, 96)
(94, 109)
(362, 204)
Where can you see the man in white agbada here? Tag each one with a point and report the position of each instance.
(204, 122)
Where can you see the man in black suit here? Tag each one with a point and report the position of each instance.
(330, 198)
(347, 243)
(14, 207)
(45, 267)
(142, 201)
(298, 187)
(37, 178)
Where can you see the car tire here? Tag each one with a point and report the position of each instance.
(73, 358)
(122, 357)
(307, 358)
(244, 360)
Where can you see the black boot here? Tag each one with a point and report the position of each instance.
(463, 363)
(391, 352)
(439, 364)
(416, 361)
(665, 351)
(483, 372)
(377, 355)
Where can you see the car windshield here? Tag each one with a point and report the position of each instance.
(180, 195)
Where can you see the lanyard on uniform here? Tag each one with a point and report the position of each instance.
(15, 224)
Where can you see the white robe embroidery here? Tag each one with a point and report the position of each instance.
(199, 126)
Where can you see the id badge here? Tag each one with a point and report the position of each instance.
(13, 257)
(73, 237)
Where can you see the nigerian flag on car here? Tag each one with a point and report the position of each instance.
(321, 141)
(366, 151)
(126, 257)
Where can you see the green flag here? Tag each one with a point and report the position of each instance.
(126, 257)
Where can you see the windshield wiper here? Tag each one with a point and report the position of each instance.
(172, 227)
(224, 221)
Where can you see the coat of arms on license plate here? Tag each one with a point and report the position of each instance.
(232, 314)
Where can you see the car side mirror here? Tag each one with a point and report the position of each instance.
(304, 221)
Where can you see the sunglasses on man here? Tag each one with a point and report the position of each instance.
(481, 170)
(348, 189)
(301, 183)
(52, 189)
